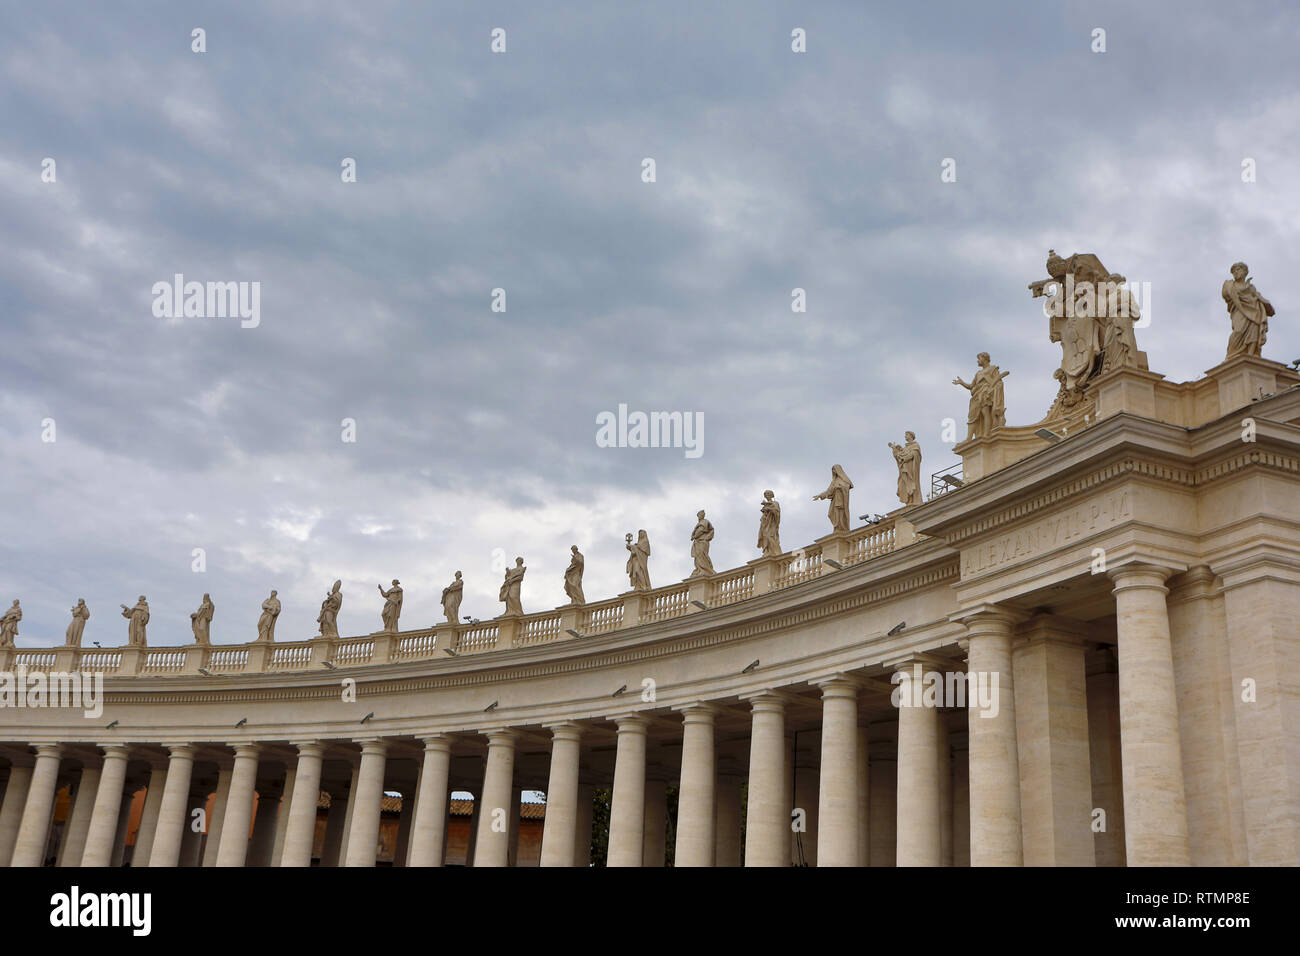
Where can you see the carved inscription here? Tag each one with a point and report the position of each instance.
(1046, 534)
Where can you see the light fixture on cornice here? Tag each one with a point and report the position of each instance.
(750, 667)
(205, 672)
(329, 664)
(242, 721)
(897, 628)
(571, 631)
(111, 726)
(952, 481)
(700, 604)
(367, 717)
(621, 690)
(833, 563)
(1048, 435)
(491, 706)
(450, 652)
(1295, 364)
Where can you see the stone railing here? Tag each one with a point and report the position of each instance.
(631, 609)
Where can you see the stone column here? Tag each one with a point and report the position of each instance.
(410, 801)
(994, 766)
(627, 809)
(170, 828)
(767, 831)
(654, 848)
(74, 839)
(220, 798)
(429, 834)
(884, 801)
(727, 813)
(491, 841)
(350, 808)
(282, 817)
(11, 813)
(560, 828)
(300, 828)
(945, 789)
(34, 828)
(960, 804)
(233, 850)
(1052, 736)
(107, 807)
(367, 804)
(805, 797)
(1104, 756)
(153, 796)
(696, 794)
(918, 835)
(192, 840)
(837, 791)
(864, 794)
(133, 787)
(582, 839)
(336, 819)
(266, 818)
(1155, 809)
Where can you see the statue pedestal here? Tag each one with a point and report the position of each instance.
(699, 587)
(834, 546)
(764, 573)
(385, 645)
(904, 530)
(259, 655)
(133, 656)
(1136, 391)
(322, 650)
(633, 603)
(507, 629)
(195, 655)
(570, 618)
(446, 637)
(1243, 379)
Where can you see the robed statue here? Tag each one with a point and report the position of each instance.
(9, 624)
(328, 619)
(573, 576)
(988, 405)
(80, 615)
(701, 535)
(266, 623)
(638, 561)
(1249, 311)
(138, 617)
(908, 458)
(201, 621)
(837, 493)
(509, 592)
(392, 606)
(451, 596)
(769, 525)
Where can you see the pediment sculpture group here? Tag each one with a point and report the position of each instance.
(1092, 317)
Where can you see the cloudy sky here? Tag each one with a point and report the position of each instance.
(522, 170)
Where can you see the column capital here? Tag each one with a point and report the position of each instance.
(839, 685)
(566, 730)
(908, 662)
(182, 751)
(246, 749)
(1053, 628)
(308, 748)
(116, 751)
(500, 736)
(698, 712)
(632, 723)
(373, 745)
(438, 743)
(769, 699)
(981, 619)
(1140, 575)
(48, 750)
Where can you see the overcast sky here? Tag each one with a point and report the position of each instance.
(475, 430)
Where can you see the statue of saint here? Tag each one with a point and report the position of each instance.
(701, 535)
(908, 458)
(139, 618)
(988, 407)
(328, 619)
(451, 595)
(509, 592)
(266, 623)
(1249, 310)
(1119, 346)
(80, 615)
(201, 621)
(769, 525)
(9, 625)
(573, 577)
(392, 606)
(638, 561)
(837, 493)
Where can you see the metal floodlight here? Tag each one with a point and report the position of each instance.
(1048, 435)
(700, 604)
(750, 667)
(111, 726)
(897, 628)
(242, 721)
(205, 672)
(866, 518)
(572, 632)
(1295, 364)
(96, 643)
(833, 563)
(367, 717)
(491, 706)
(329, 664)
(621, 690)
(449, 651)
(952, 481)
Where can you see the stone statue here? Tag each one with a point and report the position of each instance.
(1249, 310)
(139, 618)
(908, 458)
(201, 621)
(328, 619)
(1119, 346)
(701, 535)
(988, 407)
(392, 606)
(9, 625)
(509, 592)
(80, 615)
(266, 623)
(451, 595)
(573, 577)
(638, 561)
(837, 493)
(769, 526)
